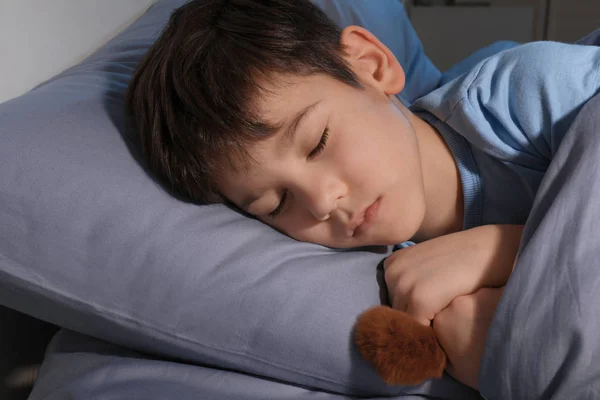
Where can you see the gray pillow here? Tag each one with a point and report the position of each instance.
(90, 242)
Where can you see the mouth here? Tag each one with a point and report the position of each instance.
(365, 219)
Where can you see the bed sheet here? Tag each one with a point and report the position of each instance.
(78, 367)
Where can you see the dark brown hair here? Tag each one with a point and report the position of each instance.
(193, 96)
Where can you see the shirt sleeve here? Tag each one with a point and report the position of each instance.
(518, 105)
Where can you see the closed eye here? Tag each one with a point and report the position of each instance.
(315, 152)
(279, 209)
(320, 146)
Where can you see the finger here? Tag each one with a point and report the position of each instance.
(389, 260)
(420, 317)
(405, 308)
(399, 304)
(489, 295)
(467, 377)
(450, 370)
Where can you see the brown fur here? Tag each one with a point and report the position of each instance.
(402, 351)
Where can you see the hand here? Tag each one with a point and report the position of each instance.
(423, 279)
(461, 329)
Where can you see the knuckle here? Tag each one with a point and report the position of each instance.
(399, 279)
(400, 290)
(394, 258)
(462, 304)
(389, 261)
(441, 320)
(389, 278)
(418, 298)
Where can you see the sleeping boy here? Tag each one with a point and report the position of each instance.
(268, 106)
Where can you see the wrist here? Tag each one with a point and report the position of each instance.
(506, 239)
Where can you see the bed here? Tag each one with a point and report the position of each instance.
(160, 298)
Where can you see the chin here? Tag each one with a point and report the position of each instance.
(400, 236)
(388, 240)
(409, 229)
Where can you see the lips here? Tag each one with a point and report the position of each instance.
(365, 219)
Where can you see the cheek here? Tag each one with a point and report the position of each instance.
(295, 224)
(373, 156)
(378, 137)
(307, 229)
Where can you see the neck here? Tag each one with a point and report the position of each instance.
(441, 179)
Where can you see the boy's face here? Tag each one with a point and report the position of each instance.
(343, 171)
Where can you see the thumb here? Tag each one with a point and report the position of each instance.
(421, 318)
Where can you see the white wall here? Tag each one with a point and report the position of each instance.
(40, 38)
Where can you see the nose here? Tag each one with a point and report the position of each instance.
(321, 195)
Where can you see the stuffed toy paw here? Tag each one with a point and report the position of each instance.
(402, 351)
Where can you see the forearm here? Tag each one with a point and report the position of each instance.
(461, 329)
(502, 260)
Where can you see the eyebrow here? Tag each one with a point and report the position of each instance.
(292, 127)
(288, 138)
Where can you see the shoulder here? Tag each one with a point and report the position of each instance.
(519, 101)
(531, 68)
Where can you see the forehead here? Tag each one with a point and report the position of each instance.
(282, 104)
(283, 96)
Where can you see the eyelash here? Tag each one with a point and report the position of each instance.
(315, 152)
(321, 146)
(279, 208)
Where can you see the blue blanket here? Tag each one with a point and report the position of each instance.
(544, 342)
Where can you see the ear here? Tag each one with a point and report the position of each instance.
(371, 60)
